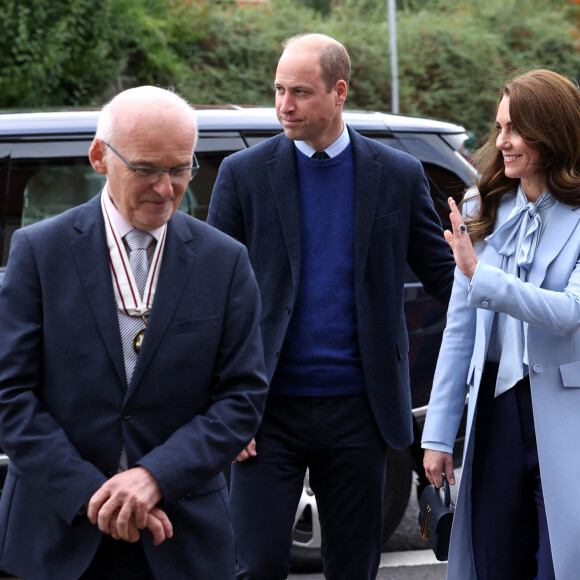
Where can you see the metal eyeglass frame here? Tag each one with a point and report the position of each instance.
(154, 174)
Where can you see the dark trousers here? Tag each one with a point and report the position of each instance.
(118, 560)
(510, 531)
(337, 439)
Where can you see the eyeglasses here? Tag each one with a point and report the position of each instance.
(177, 176)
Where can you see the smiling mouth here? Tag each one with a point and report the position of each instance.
(508, 158)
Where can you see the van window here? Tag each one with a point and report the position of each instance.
(52, 190)
(42, 187)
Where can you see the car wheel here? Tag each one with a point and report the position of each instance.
(306, 532)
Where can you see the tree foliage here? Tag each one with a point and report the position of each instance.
(453, 55)
(47, 48)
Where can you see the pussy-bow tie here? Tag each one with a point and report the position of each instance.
(521, 230)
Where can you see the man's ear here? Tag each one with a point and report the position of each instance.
(97, 156)
(341, 90)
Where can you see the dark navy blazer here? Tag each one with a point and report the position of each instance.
(255, 200)
(195, 399)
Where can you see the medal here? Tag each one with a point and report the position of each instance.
(127, 296)
(139, 337)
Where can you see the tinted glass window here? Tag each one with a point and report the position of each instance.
(39, 179)
(42, 186)
(52, 189)
(196, 199)
(443, 184)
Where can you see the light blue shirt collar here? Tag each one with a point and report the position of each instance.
(332, 150)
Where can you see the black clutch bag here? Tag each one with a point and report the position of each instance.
(435, 518)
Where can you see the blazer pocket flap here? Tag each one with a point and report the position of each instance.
(388, 220)
(213, 484)
(570, 373)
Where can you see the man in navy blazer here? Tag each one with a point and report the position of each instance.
(118, 443)
(329, 240)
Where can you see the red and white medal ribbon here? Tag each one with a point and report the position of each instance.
(126, 293)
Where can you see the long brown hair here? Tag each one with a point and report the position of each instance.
(545, 108)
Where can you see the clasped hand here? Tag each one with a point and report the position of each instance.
(127, 503)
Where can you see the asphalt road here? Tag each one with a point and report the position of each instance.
(410, 565)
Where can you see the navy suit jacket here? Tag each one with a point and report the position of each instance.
(194, 401)
(255, 200)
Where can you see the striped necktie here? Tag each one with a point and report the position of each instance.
(138, 242)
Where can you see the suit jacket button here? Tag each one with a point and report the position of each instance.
(277, 353)
(289, 310)
(538, 368)
(485, 304)
(126, 415)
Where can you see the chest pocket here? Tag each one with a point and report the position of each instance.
(389, 220)
(570, 373)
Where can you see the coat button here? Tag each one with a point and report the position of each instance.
(277, 353)
(289, 310)
(126, 415)
(538, 368)
(485, 304)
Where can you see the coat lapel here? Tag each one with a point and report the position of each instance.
(283, 178)
(178, 261)
(561, 224)
(91, 256)
(367, 180)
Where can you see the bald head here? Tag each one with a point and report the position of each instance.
(152, 129)
(332, 56)
(145, 108)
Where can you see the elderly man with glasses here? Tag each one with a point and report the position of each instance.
(131, 368)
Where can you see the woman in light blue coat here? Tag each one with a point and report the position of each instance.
(512, 343)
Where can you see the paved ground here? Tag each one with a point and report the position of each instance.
(408, 565)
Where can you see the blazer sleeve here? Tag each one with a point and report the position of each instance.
(191, 459)
(556, 312)
(450, 381)
(225, 211)
(429, 255)
(38, 447)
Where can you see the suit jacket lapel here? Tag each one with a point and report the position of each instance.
(561, 224)
(366, 183)
(178, 261)
(91, 256)
(284, 184)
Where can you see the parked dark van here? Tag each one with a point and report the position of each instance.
(44, 170)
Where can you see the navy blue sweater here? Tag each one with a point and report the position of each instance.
(321, 355)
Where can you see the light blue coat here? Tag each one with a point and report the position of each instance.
(550, 304)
